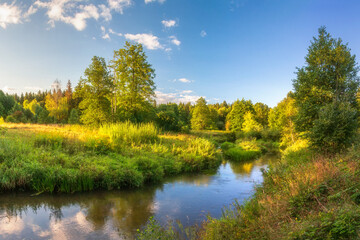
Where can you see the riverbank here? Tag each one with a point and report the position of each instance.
(118, 214)
(45, 158)
(303, 196)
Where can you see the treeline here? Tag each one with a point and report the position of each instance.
(124, 90)
(323, 108)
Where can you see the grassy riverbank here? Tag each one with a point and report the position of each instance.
(75, 158)
(304, 196)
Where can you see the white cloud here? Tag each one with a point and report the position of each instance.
(175, 41)
(119, 5)
(184, 97)
(32, 10)
(9, 14)
(150, 1)
(184, 80)
(203, 33)
(148, 40)
(70, 12)
(168, 23)
(115, 33)
(105, 12)
(105, 35)
(34, 89)
(7, 89)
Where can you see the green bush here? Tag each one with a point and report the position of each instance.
(335, 128)
(239, 154)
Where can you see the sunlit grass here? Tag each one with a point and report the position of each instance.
(77, 158)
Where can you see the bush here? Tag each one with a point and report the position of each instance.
(239, 154)
(335, 128)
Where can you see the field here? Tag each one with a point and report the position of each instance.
(54, 158)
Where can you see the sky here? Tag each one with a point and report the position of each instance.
(217, 49)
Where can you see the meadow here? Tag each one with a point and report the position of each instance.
(70, 158)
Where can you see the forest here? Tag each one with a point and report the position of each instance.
(109, 133)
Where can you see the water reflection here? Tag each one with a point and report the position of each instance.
(117, 214)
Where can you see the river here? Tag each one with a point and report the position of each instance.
(118, 214)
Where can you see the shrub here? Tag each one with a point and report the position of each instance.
(239, 154)
(335, 128)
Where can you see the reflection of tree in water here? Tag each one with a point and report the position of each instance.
(132, 210)
(243, 168)
(125, 210)
(194, 179)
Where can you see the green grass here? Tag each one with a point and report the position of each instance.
(75, 158)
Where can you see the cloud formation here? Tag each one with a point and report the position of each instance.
(203, 33)
(61, 10)
(119, 5)
(9, 14)
(168, 23)
(184, 80)
(175, 41)
(105, 35)
(150, 41)
(150, 1)
(177, 97)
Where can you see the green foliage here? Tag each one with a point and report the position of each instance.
(235, 118)
(330, 75)
(244, 151)
(261, 114)
(168, 117)
(129, 133)
(94, 91)
(74, 117)
(281, 119)
(6, 104)
(335, 128)
(133, 82)
(250, 124)
(201, 116)
(57, 106)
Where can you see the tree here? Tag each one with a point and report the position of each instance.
(7, 102)
(250, 124)
(95, 90)
(261, 113)
(330, 74)
(167, 117)
(201, 116)
(57, 106)
(335, 128)
(328, 79)
(281, 119)
(134, 88)
(69, 95)
(74, 117)
(235, 118)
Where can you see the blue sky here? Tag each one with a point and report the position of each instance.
(218, 49)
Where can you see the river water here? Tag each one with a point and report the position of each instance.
(118, 214)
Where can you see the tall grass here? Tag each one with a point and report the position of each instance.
(76, 158)
(129, 133)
